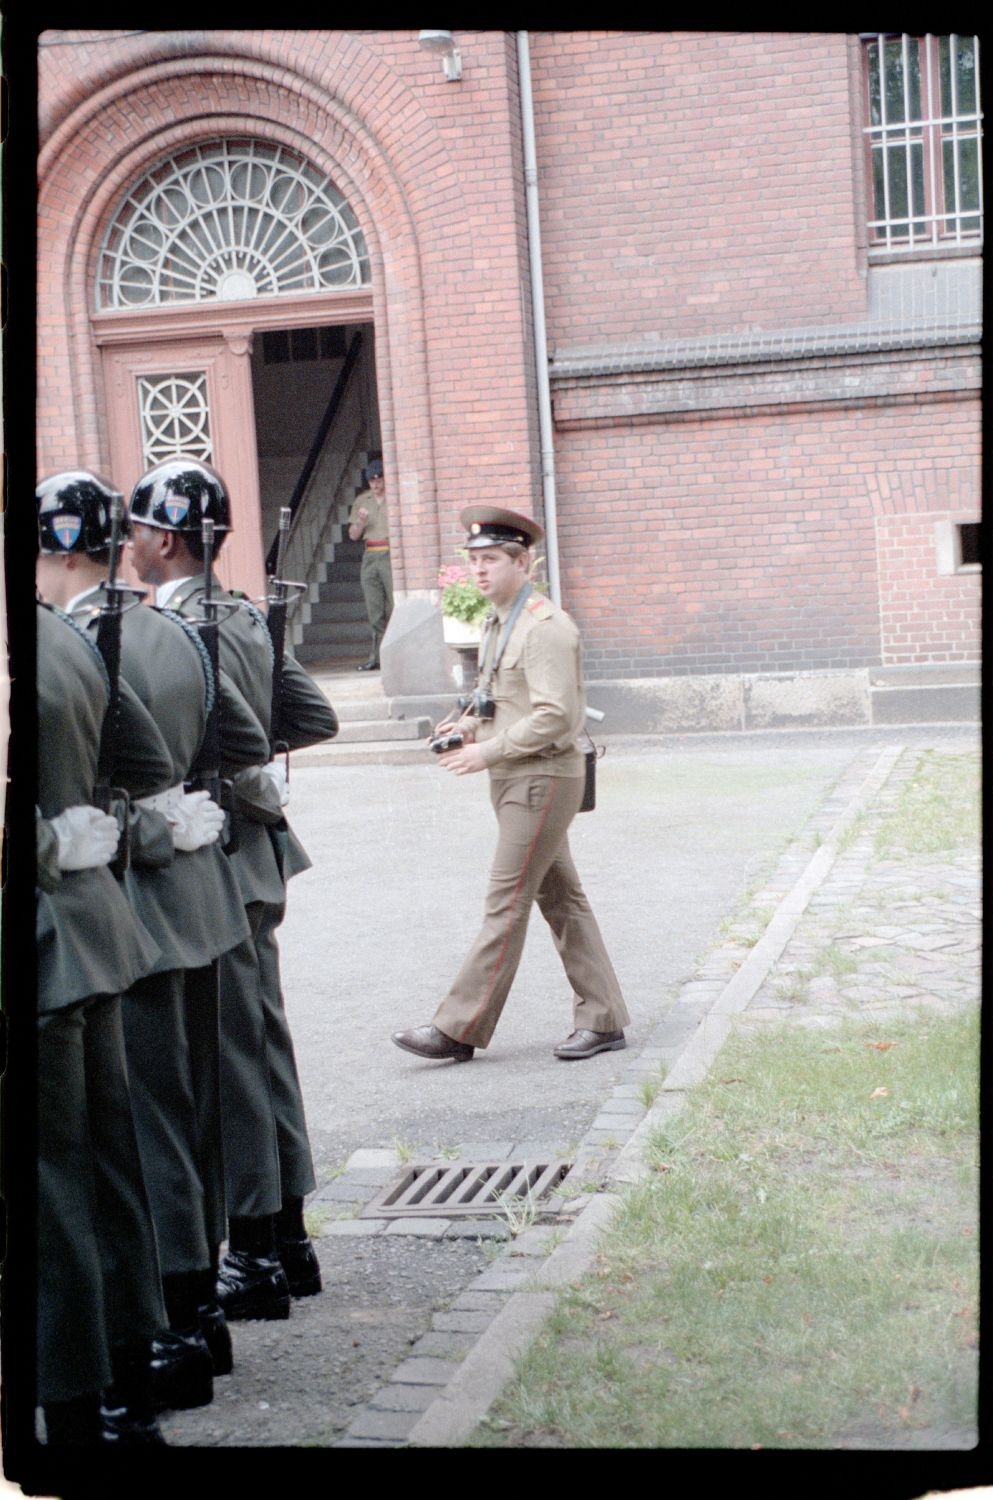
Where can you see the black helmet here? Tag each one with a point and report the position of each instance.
(74, 511)
(179, 494)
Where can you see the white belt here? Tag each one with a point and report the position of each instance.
(163, 802)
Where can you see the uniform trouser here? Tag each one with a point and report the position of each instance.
(171, 1037)
(376, 578)
(266, 1150)
(99, 1284)
(533, 863)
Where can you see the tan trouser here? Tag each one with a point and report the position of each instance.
(533, 863)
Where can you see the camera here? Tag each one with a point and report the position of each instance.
(444, 742)
(479, 703)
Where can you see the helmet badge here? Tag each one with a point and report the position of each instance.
(176, 508)
(66, 528)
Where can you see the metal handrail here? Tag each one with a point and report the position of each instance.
(320, 437)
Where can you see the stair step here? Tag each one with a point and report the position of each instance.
(337, 610)
(381, 731)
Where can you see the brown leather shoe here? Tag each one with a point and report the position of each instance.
(588, 1043)
(428, 1041)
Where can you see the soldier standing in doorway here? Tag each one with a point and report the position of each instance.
(368, 522)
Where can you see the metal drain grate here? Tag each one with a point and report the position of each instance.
(462, 1187)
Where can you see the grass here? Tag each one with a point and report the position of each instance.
(800, 1269)
(938, 810)
(649, 1087)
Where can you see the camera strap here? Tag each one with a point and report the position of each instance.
(488, 669)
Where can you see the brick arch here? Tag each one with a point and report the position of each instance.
(384, 158)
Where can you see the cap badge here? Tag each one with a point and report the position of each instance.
(67, 528)
(475, 528)
(177, 508)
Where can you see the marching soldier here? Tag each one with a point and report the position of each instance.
(267, 1159)
(187, 895)
(99, 1299)
(521, 725)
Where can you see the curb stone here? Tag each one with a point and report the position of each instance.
(513, 1298)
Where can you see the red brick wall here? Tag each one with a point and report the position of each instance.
(694, 183)
(691, 185)
(925, 616)
(749, 544)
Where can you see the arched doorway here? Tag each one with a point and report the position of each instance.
(215, 244)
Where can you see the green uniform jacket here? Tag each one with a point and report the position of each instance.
(89, 940)
(268, 851)
(191, 901)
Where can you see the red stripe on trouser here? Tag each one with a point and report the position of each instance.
(513, 909)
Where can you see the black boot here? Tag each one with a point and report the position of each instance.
(251, 1283)
(74, 1424)
(213, 1324)
(295, 1251)
(182, 1374)
(127, 1410)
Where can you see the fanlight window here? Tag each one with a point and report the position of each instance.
(229, 220)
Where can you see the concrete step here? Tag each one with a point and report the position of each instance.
(374, 752)
(938, 704)
(380, 731)
(337, 610)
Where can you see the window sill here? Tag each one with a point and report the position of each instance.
(882, 257)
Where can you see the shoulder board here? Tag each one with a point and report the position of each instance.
(203, 653)
(237, 593)
(259, 619)
(540, 608)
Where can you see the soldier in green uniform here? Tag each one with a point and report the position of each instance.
(522, 726)
(268, 1169)
(368, 522)
(99, 1298)
(187, 895)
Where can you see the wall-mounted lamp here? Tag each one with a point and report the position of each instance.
(451, 58)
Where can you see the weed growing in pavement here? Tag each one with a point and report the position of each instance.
(792, 984)
(404, 1152)
(519, 1212)
(798, 1270)
(314, 1220)
(835, 961)
(649, 1087)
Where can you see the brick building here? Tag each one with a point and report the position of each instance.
(707, 302)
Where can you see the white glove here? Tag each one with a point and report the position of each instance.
(195, 821)
(276, 772)
(86, 837)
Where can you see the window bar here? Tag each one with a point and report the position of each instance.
(933, 137)
(883, 136)
(907, 140)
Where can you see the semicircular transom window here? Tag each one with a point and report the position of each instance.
(229, 220)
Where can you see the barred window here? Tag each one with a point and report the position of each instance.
(924, 140)
(225, 220)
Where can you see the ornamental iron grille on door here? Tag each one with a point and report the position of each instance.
(175, 417)
(229, 220)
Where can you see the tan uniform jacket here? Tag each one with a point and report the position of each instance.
(378, 525)
(539, 695)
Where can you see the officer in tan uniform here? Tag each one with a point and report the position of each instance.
(521, 725)
(368, 522)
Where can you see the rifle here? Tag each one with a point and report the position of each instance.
(207, 771)
(109, 646)
(277, 599)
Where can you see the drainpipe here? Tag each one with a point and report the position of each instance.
(538, 315)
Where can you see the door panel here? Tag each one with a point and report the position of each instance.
(191, 398)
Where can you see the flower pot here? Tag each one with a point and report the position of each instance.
(459, 633)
